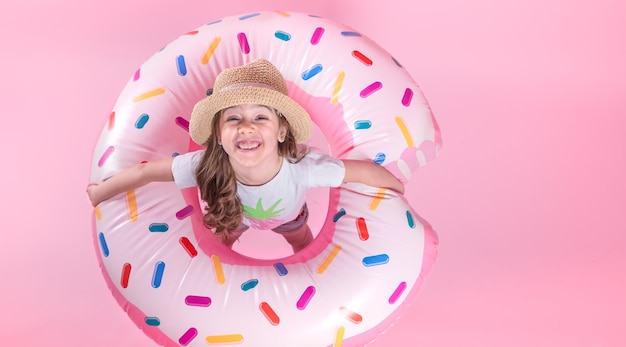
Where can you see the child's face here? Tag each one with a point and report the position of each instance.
(250, 134)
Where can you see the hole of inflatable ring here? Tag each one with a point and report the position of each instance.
(266, 244)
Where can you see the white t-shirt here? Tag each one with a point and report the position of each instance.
(279, 200)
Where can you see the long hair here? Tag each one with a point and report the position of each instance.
(218, 184)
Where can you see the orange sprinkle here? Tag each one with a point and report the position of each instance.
(98, 213)
(380, 194)
(329, 258)
(150, 94)
(209, 52)
(111, 122)
(338, 83)
(223, 339)
(283, 13)
(217, 269)
(405, 131)
(133, 214)
(351, 315)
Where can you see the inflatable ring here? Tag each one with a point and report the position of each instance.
(181, 286)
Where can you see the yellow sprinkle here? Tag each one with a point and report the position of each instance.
(380, 194)
(283, 13)
(338, 83)
(219, 339)
(329, 258)
(133, 214)
(148, 95)
(98, 213)
(405, 131)
(209, 52)
(217, 268)
(339, 337)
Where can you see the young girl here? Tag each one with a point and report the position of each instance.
(252, 172)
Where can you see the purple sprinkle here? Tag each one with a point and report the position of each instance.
(106, 155)
(305, 298)
(193, 300)
(137, 74)
(407, 97)
(317, 35)
(184, 212)
(371, 89)
(243, 43)
(396, 293)
(182, 122)
(188, 336)
(249, 16)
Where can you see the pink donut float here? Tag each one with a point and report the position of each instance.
(181, 286)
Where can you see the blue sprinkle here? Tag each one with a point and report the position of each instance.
(157, 276)
(362, 124)
(249, 16)
(314, 70)
(153, 321)
(374, 260)
(350, 33)
(249, 284)
(158, 227)
(142, 120)
(281, 269)
(181, 66)
(409, 219)
(281, 35)
(214, 22)
(380, 158)
(339, 214)
(103, 245)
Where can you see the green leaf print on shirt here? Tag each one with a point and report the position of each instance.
(259, 213)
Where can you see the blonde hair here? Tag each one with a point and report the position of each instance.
(217, 182)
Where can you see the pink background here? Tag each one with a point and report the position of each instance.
(528, 195)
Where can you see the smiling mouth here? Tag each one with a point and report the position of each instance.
(248, 145)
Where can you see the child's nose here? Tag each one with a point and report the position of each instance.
(246, 126)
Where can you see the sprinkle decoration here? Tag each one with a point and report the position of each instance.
(305, 298)
(195, 300)
(208, 54)
(329, 259)
(107, 153)
(131, 202)
(362, 58)
(188, 246)
(317, 35)
(186, 338)
(243, 43)
(149, 94)
(269, 313)
(249, 284)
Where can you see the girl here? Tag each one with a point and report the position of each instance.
(252, 172)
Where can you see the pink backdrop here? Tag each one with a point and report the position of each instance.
(528, 195)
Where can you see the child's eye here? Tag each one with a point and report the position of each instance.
(262, 117)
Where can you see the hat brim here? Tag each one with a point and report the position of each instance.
(204, 111)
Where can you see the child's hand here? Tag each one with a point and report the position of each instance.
(91, 192)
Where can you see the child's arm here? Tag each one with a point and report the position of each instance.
(131, 178)
(372, 174)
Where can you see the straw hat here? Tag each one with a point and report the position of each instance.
(258, 82)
